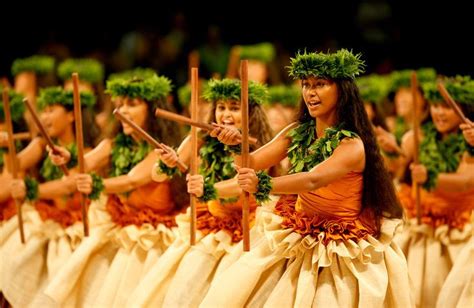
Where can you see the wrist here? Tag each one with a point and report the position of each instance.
(264, 187)
(32, 190)
(97, 186)
(209, 192)
(169, 171)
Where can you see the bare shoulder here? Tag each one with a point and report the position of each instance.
(354, 146)
(351, 154)
(408, 137)
(408, 145)
(284, 132)
(105, 145)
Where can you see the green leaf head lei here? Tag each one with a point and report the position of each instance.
(461, 89)
(17, 107)
(264, 52)
(38, 64)
(59, 96)
(373, 88)
(342, 64)
(286, 95)
(149, 89)
(89, 70)
(229, 89)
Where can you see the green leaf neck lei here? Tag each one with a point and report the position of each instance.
(126, 154)
(440, 156)
(50, 172)
(216, 166)
(306, 151)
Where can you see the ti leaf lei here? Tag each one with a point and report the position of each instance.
(126, 154)
(216, 166)
(306, 151)
(50, 172)
(440, 156)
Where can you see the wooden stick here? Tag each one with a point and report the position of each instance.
(452, 103)
(22, 136)
(244, 96)
(143, 134)
(171, 116)
(416, 141)
(80, 145)
(14, 162)
(43, 132)
(194, 146)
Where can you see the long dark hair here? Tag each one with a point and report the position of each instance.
(378, 119)
(170, 134)
(164, 131)
(468, 111)
(378, 192)
(90, 130)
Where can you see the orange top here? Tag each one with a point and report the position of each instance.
(341, 198)
(214, 216)
(7, 209)
(151, 203)
(333, 210)
(155, 195)
(439, 207)
(63, 210)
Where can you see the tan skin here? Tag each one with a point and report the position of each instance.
(26, 83)
(229, 120)
(59, 125)
(137, 111)
(468, 132)
(387, 141)
(280, 116)
(404, 108)
(320, 96)
(257, 71)
(446, 122)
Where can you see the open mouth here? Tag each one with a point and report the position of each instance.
(314, 104)
(441, 121)
(228, 122)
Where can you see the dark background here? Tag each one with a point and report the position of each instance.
(390, 34)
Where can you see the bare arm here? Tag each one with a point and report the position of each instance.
(99, 157)
(184, 150)
(348, 156)
(57, 188)
(271, 153)
(171, 157)
(460, 181)
(228, 189)
(140, 175)
(265, 157)
(5, 187)
(32, 154)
